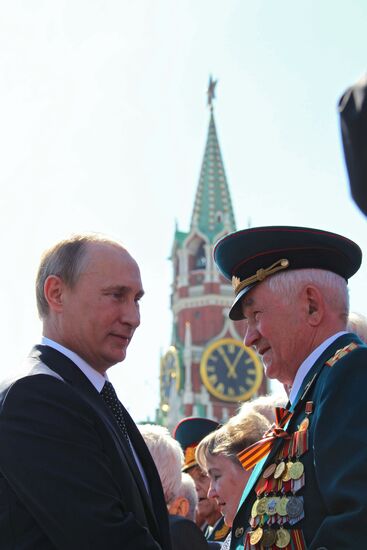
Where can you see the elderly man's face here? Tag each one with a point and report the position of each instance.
(207, 506)
(277, 331)
(100, 314)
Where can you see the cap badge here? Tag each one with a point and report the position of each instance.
(259, 276)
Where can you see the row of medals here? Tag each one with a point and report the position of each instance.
(276, 503)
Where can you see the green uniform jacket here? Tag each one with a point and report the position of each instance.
(335, 465)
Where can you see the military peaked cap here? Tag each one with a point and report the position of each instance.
(247, 257)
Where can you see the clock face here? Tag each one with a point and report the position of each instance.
(170, 375)
(230, 371)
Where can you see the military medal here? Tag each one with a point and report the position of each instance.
(256, 535)
(282, 506)
(269, 470)
(286, 474)
(279, 470)
(271, 506)
(294, 507)
(283, 538)
(277, 504)
(268, 538)
(296, 470)
(254, 511)
(261, 506)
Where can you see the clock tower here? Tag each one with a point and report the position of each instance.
(207, 371)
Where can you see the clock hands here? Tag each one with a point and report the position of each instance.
(238, 357)
(230, 371)
(231, 366)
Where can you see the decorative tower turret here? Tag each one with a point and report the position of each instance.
(207, 370)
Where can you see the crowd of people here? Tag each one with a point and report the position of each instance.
(76, 472)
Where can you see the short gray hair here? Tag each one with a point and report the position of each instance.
(167, 455)
(66, 259)
(333, 286)
(188, 491)
(357, 323)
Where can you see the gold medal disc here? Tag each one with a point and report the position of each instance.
(261, 506)
(283, 538)
(279, 470)
(296, 470)
(286, 475)
(254, 511)
(282, 506)
(256, 535)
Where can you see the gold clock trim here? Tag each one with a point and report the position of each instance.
(255, 361)
(172, 351)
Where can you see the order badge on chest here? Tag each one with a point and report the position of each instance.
(278, 506)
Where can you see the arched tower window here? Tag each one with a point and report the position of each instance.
(200, 257)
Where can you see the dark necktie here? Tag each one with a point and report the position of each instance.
(110, 398)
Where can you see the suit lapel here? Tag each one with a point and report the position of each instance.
(65, 368)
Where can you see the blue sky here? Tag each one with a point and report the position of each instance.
(103, 126)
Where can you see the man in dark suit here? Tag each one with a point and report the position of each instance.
(74, 470)
(308, 488)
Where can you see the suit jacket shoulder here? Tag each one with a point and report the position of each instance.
(63, 463)
(186, 534)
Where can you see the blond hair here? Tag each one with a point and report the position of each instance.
(239, 432)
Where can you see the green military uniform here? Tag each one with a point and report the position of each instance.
(331, 502)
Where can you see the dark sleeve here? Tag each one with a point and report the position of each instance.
(54, 459)
(340, 454)
(186, 535)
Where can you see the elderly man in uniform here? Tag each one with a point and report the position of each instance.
(75, 472)
(189, 432)
(309, 486)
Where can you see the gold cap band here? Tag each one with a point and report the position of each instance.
(259, 276)
(190, 459)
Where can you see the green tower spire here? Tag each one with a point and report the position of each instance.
(213, 213)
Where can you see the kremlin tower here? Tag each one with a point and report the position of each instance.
(207, 371)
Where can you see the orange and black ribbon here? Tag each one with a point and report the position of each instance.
(253, 454)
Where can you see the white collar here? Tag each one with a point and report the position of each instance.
(309, 362)
(96, 378)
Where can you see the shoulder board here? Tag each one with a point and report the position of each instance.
(340, 353)
(222, 532)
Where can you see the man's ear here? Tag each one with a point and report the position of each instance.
(183, 507)
(315, 305)
(179, 507)
(53, 292)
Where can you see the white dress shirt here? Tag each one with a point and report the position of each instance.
(309, 362)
